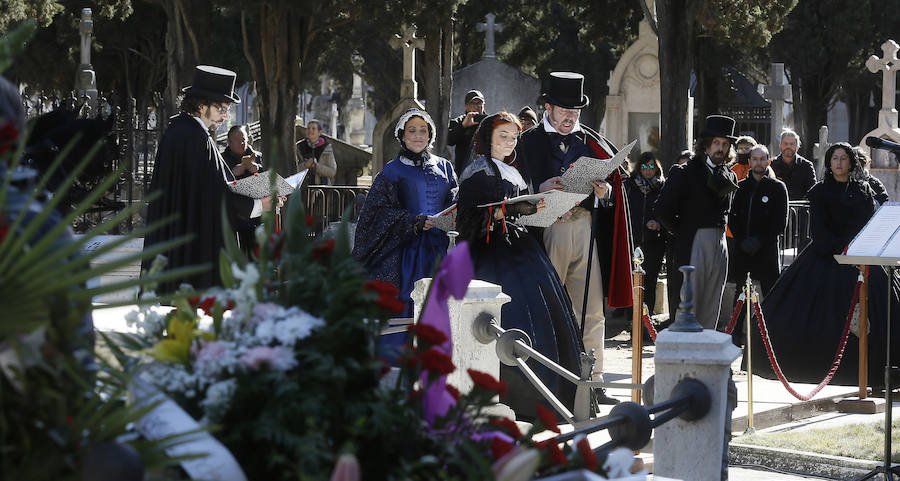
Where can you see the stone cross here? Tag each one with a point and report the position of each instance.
(819, 150)
(489, 27)
(777, 93)
(86, 29)
(889, 65)
(408, 43)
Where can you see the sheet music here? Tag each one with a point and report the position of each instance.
(445, 220)
(578, 177)
(296, 180)
(880, 234)
(533, 198)
(257, 186)
(557, 202)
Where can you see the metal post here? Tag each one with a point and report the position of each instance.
(637, 330)
(864, 334)
(751, 297)
(452, 235)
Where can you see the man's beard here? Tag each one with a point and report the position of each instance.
(789, 153)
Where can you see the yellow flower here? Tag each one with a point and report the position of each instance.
(176, 347)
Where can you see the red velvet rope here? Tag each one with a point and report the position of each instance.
(837, 356)
(734, 316)
(649, 326)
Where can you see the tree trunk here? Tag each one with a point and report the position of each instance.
(675, 19)
(437, 72)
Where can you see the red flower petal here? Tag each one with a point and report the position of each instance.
(437, 362)
(551, 447)
(391, 304)
(428, 333)
(453, 391)
(486, 381)
(381, 287)
(509, 426)
(547, 418)
(207, 305)
(590, 459)
(324, 248)
(499, 447)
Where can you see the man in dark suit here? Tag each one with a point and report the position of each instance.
(462, 129)
(693, 205)
(544, 153)
(193, 179)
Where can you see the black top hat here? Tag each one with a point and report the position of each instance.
(719, 126)
(214, 83)
(566, 90)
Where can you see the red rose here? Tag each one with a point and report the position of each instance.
(324, 248)
(193, 300)
(428, 333)
(509, 426)
(437, 362)
(391, 304)
(8, 136)
(547, 418)
(551, 447)
(207, 305)
(486, 381)
(382, 288)
(453, 391)
(590, 459)
(499, 447)
(411, 360)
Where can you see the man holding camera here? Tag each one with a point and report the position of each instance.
(462, 129)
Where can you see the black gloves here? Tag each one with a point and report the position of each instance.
(521, 208)
(419, 225)
(720, 181)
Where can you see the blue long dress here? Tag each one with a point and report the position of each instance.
(386, 242)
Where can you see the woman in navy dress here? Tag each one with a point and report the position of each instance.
(504, 253)
(396, 239)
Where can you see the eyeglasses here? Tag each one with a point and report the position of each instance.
(223, 109)
(648, 166)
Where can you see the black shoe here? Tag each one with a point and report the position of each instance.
(600, 397)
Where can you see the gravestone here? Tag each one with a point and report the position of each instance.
(819, 150)
(777, 94)
(633, 103)
(384, 145)
(505, 88)
(86, 78)
(884, 165)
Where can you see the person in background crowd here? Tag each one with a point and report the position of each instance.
(881, 195)
(797, 173)
(683, 157)
(462, 129)
(244, 162)
(315, 153)
(395, 236)
(741, 166)
(758, 216)
(528, 118)
(642, 188)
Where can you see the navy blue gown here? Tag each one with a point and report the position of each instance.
(514, 260)
(386, 242)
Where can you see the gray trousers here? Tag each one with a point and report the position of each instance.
(709, 256)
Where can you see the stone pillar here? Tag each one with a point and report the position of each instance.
(468, 353)
(693, 449)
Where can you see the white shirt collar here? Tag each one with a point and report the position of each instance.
(710, 164)
(511, 174)
(549, 128)
(205, 128)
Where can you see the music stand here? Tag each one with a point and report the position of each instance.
(878, 244)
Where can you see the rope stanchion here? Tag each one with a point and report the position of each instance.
(764, 333)
(738, 307)
(650, 327)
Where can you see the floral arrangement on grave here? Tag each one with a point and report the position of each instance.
(63, 413)
(281, 362)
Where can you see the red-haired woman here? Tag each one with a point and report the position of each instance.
(504, 253)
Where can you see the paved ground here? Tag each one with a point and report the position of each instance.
(760, 473)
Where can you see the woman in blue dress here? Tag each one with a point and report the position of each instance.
(396, 239)
(504, 253)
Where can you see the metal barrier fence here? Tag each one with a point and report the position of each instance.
(327, 203)
(796, 233)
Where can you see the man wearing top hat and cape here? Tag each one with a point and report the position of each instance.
(544, 153)
(192, 177)
(693, 205)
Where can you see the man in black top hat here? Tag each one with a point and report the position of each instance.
(462, 129)
(693, 205)
(544, 153)
(193, 179)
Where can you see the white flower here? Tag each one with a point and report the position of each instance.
(260, 234)
(619, 462)
(277, 358)
(218, 399)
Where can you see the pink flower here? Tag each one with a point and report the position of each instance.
(277, 358)
(265, 310)
(210, 350)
